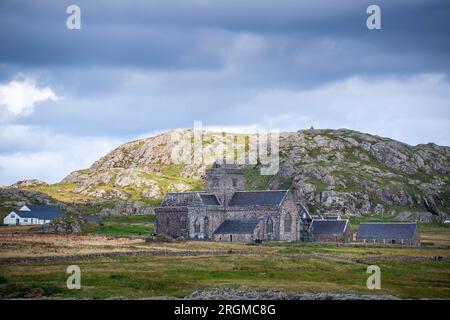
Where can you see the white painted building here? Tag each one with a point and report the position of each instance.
(31, 214)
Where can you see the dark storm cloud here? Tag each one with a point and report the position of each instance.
(138, 67)
(172, 34)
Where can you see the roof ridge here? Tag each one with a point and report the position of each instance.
(183, 192)
(253, 219)
(278, 190)
(388, 223)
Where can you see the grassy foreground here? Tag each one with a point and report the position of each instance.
(295, 267)
(126, 226)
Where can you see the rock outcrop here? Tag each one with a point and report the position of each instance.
(69, 223)
(13, 198)
(126, 208)
(28, 184)
(329, 170)
(247, 294)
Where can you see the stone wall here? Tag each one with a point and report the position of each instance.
(240, 237)
(224, 180)
(413, 242)
(208, 217)
(234, 237)
(168, 221)
(258, 212)
(289, 207)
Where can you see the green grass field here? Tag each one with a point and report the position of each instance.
(148, 276)
(294, 267)
(140, 225)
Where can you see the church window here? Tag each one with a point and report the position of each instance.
(196, 226)
(287, 223)
(269, 225)
(206, 224)
(234, 181)
(183, 223)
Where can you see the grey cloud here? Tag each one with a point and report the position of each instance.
(145, 66)
(171, 34)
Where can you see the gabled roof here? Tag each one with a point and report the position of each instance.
(209, 200)
(258, 198)
(47, 212)
(332, 217)
(328, 226)
(185, 199)
(240, 198)
(237, 226)
(179, 199)
(386, 230)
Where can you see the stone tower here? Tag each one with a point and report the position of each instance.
(224, 180)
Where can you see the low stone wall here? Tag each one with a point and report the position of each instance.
(119, 254)
(233, 237)
(247, 294)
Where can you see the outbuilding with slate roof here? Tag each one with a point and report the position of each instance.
(393, 233)
(324, 230)
(238, 230)
(32, 214)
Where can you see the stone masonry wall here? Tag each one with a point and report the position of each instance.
(347, 236)
(258, 212)
(289, 206)
(169, 222)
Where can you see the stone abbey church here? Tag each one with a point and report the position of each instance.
(225, 212)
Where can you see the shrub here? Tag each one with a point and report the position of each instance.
(34, 293)
(163, 238)
(180, 239)
(159, 238)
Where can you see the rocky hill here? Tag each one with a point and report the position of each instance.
(330, 170)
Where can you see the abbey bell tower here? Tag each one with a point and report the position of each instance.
(224, 180)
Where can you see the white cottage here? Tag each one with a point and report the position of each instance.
(32, 214)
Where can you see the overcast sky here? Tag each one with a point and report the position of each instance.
(141, 67)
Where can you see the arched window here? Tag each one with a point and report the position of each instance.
(183, 223)
(205, 224)
(287, 223)
(167, 222)
(269, 225)
(196, 226)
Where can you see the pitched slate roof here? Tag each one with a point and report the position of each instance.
(328, 226)
(47, 212)
(179, 199)
(209, 200)
(332, 217)
(386, 230)
(237, 226)
(257, 198)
